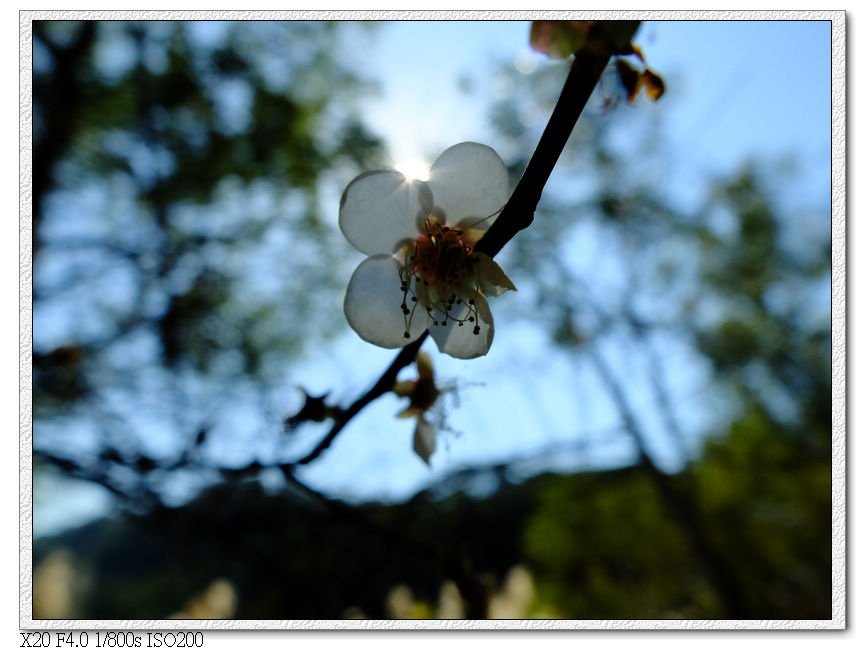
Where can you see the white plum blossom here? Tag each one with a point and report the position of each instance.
(422, 271)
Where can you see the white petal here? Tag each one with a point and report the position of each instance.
(424, 439)
(470, 183)
(380, 209)
(372, 304)
(462, 342)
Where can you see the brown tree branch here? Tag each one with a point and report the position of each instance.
(518, 213)
(382, 386)
(586, 69)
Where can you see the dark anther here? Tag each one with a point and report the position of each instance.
(406, 335)
(471, 301)
(476, 330)
(413, 299)
(471, 319)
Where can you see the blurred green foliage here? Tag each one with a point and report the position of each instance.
(180, 249)
(604, 547)
(598, 545)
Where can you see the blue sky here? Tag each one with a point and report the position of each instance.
(735, 90)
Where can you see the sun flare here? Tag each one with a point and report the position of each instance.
(413, 168)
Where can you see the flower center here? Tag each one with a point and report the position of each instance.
(439, 274)
(441, 256)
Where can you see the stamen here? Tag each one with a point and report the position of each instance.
(489, 216)
(441, 260)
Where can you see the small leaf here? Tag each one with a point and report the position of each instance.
(424, 440)
(422, 393)
(558, 39)
(424, 366)
(653, 84)
(404, 388)
(618, 34)
(409, 411)
(630, 79)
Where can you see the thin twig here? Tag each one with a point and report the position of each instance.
(519, 212)
(382, 386)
